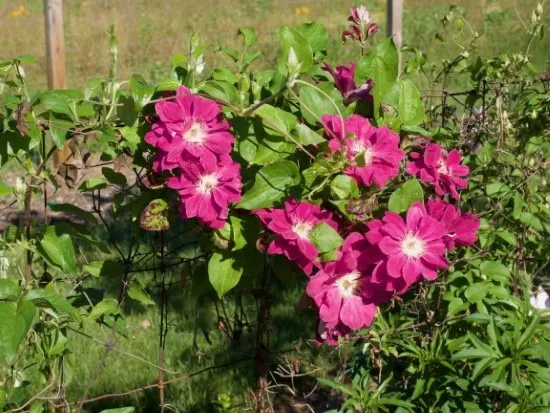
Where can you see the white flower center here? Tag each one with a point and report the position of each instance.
(348, 284)
(442, 168)
(207, 183)
(412, 246)
(302, 229)
(362, 153)
(195, 134)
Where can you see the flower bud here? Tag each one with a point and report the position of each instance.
(534, 17)
(539, 10)
(293, 65)
(20, 187)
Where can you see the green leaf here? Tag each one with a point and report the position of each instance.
(74, 210)
(61, 101)
(471, 353)
(381, 65)
(92, 184)
(57, 248)
(495, 271)
(223, 273)
(404, 196)
(107, 268)
(9, 290)
(343, 187)
(15, 322)
(113, 177)
(225, 75)
(120, 410)
(93, 87)
(276, 121)
(44, 297)
(4, 189)
(305, 136)
(316, 35)
(405, 97)
(272, 184)
(418, 388)
(59, 128)
(141, 91)
(109, 306)
(314, 104)
(325, 238)
(529, 332)
(336, 386)
(529, 219)
(477, 292)
(250, 36)
(136, 292)
(481, 366)
(507, 236)
(291, 38)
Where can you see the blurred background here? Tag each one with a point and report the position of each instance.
(151, 31)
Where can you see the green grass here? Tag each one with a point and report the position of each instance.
(151, 31)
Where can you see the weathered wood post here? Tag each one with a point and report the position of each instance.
(395, 23)
(55, 45)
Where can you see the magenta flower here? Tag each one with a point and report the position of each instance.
(439, 168)
(343, 291)
(331, 336)
(345, 83)
(362, 27)
(413, 247)
(373, 153)
(189, 126)
(292, 225)
(207, 187)
(460, 228)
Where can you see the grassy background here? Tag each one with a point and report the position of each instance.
(150, 32)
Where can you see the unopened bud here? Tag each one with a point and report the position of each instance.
(20, 187)
(293, 65)
(256, 91)
(539, 10)
(534, 17)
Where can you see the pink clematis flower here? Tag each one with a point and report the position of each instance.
(439, 168)
(373, 153)
(292, 225)
(362, 27)
(343, 291)
(331, 336)
(413, 247)
(189, 126)
(207, 187)
(460, 228)
(345, 83)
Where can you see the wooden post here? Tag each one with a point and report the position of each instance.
(55, 46)
(395, 23)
